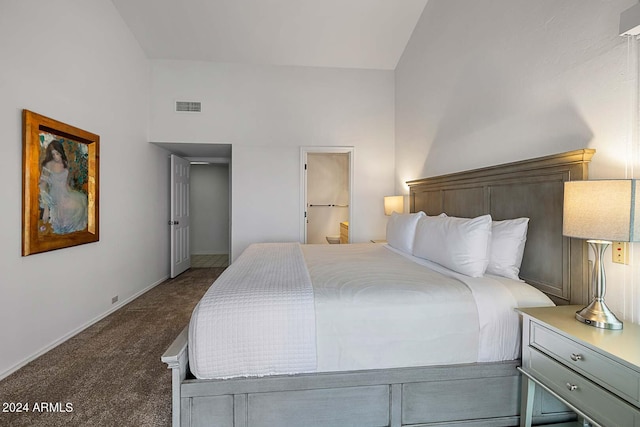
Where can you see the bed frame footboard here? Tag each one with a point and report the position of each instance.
(177, 359)
(484, 394)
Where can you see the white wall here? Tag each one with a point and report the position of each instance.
(485, 82)
(76, 61)
(268, 113)
(209, 209)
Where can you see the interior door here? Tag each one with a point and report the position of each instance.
(179, 223)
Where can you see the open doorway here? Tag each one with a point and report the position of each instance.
(209, 208)
(327, 193)
(209, 199)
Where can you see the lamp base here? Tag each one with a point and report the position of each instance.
(598, 314)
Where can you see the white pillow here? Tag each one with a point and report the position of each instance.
(460, 244)
(401, 230)
(507, 247)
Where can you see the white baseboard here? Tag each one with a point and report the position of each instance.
(78, 330)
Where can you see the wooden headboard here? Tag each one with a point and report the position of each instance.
(555, 264)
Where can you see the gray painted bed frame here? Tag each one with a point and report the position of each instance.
(478, 394)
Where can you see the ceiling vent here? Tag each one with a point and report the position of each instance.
(189, 106)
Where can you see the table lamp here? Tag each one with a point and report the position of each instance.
(393, 204)
(602, 211)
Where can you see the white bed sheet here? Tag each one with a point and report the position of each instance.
(370, 317)
(376, 308)
(496, 298)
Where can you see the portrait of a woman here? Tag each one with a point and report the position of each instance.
(63, 207)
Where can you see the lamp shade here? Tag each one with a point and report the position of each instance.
(393, 204)
(602, 210)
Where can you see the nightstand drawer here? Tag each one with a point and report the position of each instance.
(597, 403)
(602, 370)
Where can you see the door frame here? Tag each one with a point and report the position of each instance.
(304, 151)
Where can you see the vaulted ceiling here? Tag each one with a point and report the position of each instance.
(369, 34)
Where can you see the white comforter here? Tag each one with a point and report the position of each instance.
(369, 308)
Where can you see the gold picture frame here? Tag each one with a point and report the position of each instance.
(60, 185)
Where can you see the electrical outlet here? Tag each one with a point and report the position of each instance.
(114, 299)
(620, 252)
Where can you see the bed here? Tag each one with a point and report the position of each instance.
(324, 383)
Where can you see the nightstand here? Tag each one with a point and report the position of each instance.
(596, 372)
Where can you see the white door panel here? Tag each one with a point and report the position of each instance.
(180, 245)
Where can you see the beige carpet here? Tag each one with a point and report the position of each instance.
(110, 374)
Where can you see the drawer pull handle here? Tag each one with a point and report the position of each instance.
(576, 357)
(572, 387)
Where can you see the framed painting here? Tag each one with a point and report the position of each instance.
(60, 185)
